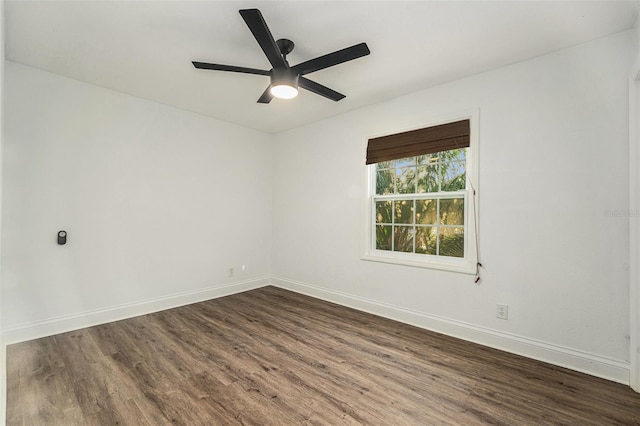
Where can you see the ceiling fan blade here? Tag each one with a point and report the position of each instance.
(218, 67)
(332, 59)
(258, 27)
(319, 89)
(266, 96)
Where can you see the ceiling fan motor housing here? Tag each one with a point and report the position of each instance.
(284, 76)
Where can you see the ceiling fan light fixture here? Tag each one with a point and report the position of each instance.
(284, 83)
(284, 91)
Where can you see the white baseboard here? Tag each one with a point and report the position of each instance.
(51, 326)
(610, 369)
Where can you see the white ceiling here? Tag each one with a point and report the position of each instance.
(145, 48)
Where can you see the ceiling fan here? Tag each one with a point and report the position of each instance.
(286, 79)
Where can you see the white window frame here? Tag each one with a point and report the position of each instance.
(466, 265)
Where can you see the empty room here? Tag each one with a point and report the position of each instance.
(316, 212)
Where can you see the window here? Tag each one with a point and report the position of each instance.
(420, 206)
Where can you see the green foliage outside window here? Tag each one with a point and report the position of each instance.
(427, 221)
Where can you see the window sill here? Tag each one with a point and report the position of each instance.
(462, 266)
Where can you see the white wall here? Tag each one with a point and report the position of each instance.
(157, 203)
(634, 209)
(553, 161)
(3, 365)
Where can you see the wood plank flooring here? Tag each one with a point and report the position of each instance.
(272, 357)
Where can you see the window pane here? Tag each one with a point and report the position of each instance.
(383, 211)
(426, 237)
(403, 210)
(453, 155)
(428, 178)
(403, 239)
(452, 241)
(460, 154)
(452, 211)
(406, 180)
(406, 162)
(453, 176)
(386, 165)
(426, 212)
(427, 159)
(383, 237)
(384, 181)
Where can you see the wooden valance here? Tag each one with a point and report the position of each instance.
(443, 137)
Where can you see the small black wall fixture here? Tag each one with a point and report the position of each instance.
(62, 238)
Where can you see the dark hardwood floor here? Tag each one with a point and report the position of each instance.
(272, 357)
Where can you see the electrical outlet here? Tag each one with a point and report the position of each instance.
(231, 272)
(503, 312)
